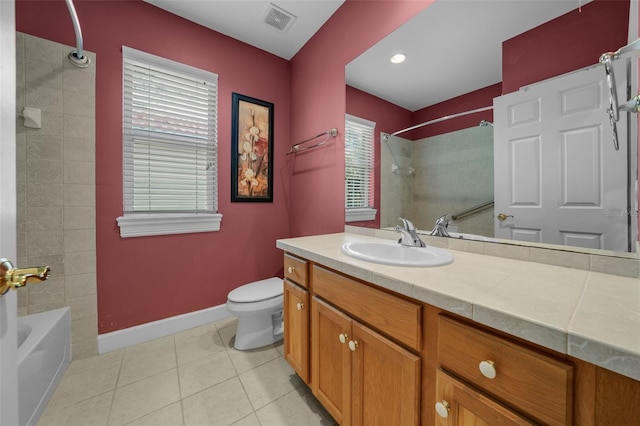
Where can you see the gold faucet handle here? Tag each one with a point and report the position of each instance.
(11, 277)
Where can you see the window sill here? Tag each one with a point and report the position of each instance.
(141, 225)
(360, 215)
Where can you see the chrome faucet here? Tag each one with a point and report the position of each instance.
(440, 229)
(409, 235)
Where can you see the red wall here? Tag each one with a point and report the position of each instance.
(388, 118)
(145, 279)
(150, 278)
(570, 42)
(318, 104)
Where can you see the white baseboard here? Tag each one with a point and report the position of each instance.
(152, 330)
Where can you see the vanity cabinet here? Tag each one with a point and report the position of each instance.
(363, 369)
(374, 357)
(536, 384)
(296, 316)
(361, 377)
(296, 329)
(331, 359)
(459, 404)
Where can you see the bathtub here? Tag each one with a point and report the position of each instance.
(44, 353)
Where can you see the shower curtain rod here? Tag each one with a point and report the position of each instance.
(77, 56)
(437, 120)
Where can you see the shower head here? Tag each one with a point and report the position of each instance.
(485, 123)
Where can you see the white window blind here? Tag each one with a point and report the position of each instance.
(169, 137)
(359, 165)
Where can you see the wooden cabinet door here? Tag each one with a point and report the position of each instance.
(331, 360)
(464, 406)
(296, 329)
(385, 381)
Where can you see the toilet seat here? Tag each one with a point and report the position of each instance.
(257, 291)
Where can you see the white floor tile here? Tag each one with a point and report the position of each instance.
(269, 382)
(222, 404)
(192, 378)
(144, 397)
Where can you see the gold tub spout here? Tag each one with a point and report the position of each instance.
(12, 278)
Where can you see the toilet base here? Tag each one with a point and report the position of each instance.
(254, 332)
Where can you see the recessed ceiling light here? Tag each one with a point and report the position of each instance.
(398, 58)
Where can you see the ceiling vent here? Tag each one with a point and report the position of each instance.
(278, 18)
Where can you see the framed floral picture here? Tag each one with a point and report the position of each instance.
(251, 149)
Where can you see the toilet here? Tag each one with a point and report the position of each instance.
(258, 306)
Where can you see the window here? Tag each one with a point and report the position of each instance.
(359, 169)
(169, 147)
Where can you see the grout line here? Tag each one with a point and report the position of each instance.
(115, 387)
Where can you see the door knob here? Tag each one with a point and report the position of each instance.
(502, 216)
(12, 277)
(353, 345)
(291, 269)
(343, 337)
(299, 306)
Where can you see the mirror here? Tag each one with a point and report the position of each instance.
(430, 172)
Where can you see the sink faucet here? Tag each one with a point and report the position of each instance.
(441, 227)
(409, 236)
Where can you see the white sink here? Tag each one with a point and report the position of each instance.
(392, 253)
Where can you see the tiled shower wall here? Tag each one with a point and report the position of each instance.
(453, 172)
(56, 185)
(396, 178)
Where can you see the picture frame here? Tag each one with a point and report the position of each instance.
(251, 149)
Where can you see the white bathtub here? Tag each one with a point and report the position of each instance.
(44, 353)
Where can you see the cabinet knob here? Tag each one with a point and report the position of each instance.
(442, 408)
(299, 306)
(291, 269)
(488, 369)
(343, 337)
(353, 345)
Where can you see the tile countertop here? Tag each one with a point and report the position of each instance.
(588, 315)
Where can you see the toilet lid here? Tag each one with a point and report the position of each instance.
(257, 291)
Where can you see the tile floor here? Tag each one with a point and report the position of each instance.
(190, 378)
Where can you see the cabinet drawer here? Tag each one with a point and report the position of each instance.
(538, 385)
(394, 316)
(295, 269)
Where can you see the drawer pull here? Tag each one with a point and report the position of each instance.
(291, 269)
(353, 345)
(343, 337)
(299, 306)
(442, 408)
(488, 369)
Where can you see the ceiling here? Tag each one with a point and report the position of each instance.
(453, 47)
(244, 20)
(440, 43)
